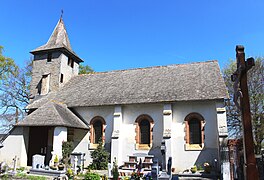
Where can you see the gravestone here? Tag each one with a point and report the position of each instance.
(169, 166)
(38, 161)
(80, 159)
(163, 175)
(155, 169)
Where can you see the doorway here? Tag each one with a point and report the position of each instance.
(38, 143)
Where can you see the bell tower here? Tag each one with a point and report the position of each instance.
(54, 64)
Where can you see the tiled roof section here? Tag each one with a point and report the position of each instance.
(53, 114)
(196, 81)
(187, 82)
(39, 100)
(58, 40)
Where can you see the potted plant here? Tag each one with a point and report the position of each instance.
(61, 167)
(53, 167)
(207, 167)
(194, 169)
(69, 173)
(56, 160)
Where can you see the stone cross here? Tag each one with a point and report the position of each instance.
(15, 165)
(75, 165)
(51, 162)
(109, 170)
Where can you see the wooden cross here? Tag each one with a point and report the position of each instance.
(241, 93)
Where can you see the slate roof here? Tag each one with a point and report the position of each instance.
(53, 114)
(58, 40)
(186, 82)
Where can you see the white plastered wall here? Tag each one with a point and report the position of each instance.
(210, 152)
(156, 111)
(88, 113)
(15, 145)
(81, 142)
(60, 135)
(130, 114)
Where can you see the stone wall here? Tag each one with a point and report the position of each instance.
(57, 66)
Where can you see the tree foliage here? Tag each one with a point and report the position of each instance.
(14, 90)
(85, 69)
(256, 94)
(100, 158)
(7, 66)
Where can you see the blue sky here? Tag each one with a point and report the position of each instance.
(122, 34)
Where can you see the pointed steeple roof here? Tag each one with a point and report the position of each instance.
(58, 40)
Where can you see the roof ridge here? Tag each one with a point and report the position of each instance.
(55, 110)
(150, 67)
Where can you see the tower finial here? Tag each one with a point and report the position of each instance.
(61, 13)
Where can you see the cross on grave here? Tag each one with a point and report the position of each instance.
(163, 175)
(75, 165)
(14, 165)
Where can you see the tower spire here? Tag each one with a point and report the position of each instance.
(58, 40)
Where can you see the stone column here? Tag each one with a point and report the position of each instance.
(223, 135)
(116, 143)
(167, 124)
(60, 135)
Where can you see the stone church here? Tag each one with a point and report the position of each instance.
(131, 110)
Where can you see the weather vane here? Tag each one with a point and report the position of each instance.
(61, 13)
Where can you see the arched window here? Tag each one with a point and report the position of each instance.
(194, 131)
(97, 128)
(98, 131)
(144, 125)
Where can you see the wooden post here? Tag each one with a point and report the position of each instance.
(16, 115)
(250, 167)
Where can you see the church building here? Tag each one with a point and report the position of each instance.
(131, 110)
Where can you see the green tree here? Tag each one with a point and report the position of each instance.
(100, 157)
(7, 66)
(85, 69)
(256, 94)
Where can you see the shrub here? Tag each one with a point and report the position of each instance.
(91, 176)
(136, 175)
(67, 148)
(21, 169)
(104, 177)
(100, 158)
(69, 173)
